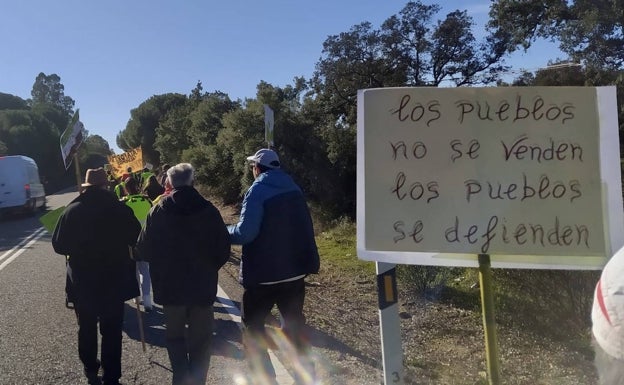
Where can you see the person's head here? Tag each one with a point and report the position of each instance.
(263, 160)
(129, 170)
(131, 186)
(607, 316)
(95, 178)
(182, 174)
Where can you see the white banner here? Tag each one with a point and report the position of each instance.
(71, 139)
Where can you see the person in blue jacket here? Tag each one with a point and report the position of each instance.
(279, 251)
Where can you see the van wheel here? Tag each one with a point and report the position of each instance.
(32, 206)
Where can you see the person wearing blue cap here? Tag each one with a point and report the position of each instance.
(279, 251)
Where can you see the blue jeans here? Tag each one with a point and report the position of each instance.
(188, 337)
(146, 282)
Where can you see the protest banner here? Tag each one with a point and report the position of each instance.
(49, 219)
(512, 177)
(71, 139)
(527, 175)
(119, 163)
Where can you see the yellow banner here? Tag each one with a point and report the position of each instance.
(120, 163)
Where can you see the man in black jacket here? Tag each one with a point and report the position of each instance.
(95, 231)
(185, 242)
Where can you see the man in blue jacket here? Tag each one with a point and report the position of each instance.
(279, 250)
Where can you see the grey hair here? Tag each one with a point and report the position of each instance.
(182, 174)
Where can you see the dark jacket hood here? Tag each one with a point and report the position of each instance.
(184, 200)
(96, 194)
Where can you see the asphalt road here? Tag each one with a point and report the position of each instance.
(38, 334)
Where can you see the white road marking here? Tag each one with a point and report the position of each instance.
(21, 247)
(281, 374)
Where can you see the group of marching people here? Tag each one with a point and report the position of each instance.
(177, 242)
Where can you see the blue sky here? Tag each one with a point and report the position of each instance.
(113, 55)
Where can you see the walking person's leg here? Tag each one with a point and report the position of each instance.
(257, 304)
(290, 298)
(87, 339)
(201, 319)
(175, 322)
(111, 324)
(146, 285)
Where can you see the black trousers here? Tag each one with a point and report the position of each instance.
(109, 315)
(188, 336)
(257, 304)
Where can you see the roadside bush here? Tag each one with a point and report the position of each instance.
(427, 281)
(553, 302)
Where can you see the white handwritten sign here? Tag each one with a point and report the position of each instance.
(528, 175)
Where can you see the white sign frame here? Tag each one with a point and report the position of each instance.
(600, 179)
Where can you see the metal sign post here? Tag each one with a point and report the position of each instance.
(489, 322)
(389, 325)
(269, 122)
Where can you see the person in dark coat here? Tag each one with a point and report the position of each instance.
(152, 188)
(279, 251)
(185, 242)
(95, 231)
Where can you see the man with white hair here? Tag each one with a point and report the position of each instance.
(185, 242)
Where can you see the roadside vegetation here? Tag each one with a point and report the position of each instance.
(542, 317)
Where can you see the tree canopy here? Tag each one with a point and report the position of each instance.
(315, 119)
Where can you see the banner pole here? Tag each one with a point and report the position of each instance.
(489, 322)
(78, 176)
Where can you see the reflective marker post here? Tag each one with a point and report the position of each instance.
(389, 325)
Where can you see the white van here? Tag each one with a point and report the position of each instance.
(20, 187)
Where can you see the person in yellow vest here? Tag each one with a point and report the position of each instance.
(144, 176)
(120, 189)
(140, 205)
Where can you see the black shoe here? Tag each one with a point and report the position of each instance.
(92, 374)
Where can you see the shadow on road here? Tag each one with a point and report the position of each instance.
(226, 333)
